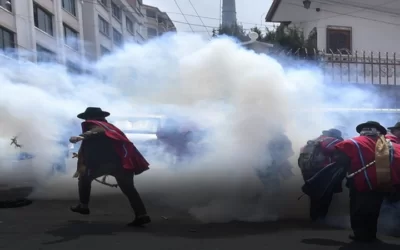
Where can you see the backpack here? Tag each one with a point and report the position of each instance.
(312, 157)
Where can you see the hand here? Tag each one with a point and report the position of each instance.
(75, 139)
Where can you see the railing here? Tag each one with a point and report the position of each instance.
(350, 67)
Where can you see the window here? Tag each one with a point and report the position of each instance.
(71, 37)
(104, 27)
(338, 39)
(161, 20)
(6, 4)
(116, 11)
(73, 68)
(104, 51)
(103, 2)
(43, 19)
(117, 37)
(129, 25)
(151, 14)
(45, 55)
(70, 6)
(6, 39)
(151, 32)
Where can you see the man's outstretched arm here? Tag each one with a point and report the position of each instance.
(93, 132)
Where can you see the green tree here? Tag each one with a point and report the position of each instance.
(285, 37)
(233, 31)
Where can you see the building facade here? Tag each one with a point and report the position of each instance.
(157, 22)
(107, 24)
(53, 28)
(67, 31)
(339, 25)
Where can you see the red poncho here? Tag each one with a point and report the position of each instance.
(131, 158)
(392, 138)
(361, 151)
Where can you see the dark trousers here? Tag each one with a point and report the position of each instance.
(319, 207)
(364, 212)
(124, 180)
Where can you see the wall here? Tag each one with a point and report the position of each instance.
(90, 32)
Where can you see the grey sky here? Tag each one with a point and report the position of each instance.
(250, 13)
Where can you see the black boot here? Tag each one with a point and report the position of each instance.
(79, 209)
(366, 239)
(140, 221)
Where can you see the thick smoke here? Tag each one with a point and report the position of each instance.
(241, 98)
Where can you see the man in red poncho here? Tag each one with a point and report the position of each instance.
(314, 156)
(105, 150)
(394, 135)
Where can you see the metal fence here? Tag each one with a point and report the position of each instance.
(350, 67)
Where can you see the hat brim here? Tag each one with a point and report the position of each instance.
(86, 115)
(380, 128)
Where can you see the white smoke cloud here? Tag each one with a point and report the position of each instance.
(243, 98)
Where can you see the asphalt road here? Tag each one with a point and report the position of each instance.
(50, 225)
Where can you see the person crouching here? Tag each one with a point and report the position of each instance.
(314, 156)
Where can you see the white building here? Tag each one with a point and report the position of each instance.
(42, 25)
(108, 23)
(157, 22)
(353, 25)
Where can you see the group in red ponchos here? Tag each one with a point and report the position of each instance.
(355, 157)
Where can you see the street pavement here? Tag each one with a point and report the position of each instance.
(50, 225)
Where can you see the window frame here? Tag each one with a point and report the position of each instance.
(348, 31)
(37, 7)
(150, 28)
(119, 16)
(66, 27)
(12, 35)
(133, 25)
(103, 4)
(73, 68)
(52, 54)
(3, 4)
(102, 49)
(115, 31)
(100, 18)
(151, 11)
(73, 3)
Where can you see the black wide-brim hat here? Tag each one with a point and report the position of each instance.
(93, 112)
(371, 124)
(396, 126)
(333, 132)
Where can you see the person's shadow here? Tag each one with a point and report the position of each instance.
(352, 245)
(76, 229)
